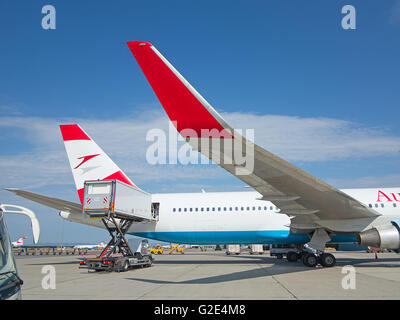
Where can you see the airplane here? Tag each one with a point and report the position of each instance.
(101, 245)
(19, 242)
(288, 206)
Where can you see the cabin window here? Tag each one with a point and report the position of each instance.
(382, 205)
(208, 209)
(259, 208)
(184, 209)
(213, 209)
(376, 205)
(248, 208)
(242, 208)
(224, 208)
(173, 210)
(236, 208)
(230, 208)
(265, 208)
(179, 210)
(394, 205)
(190, 209)
(219, 208)
(202, 209)
(271, 208)
(370, 205)
(196, 209)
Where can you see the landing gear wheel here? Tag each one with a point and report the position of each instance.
(310, 260)
(327, 260)
(279, 256)
(292, 256)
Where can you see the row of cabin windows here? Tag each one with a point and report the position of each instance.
(382, 205)
(265, 208)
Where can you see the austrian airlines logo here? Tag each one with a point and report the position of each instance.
(85, 158)
(391, 197)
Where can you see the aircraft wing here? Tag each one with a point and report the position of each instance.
(54, 203)
(298, 194)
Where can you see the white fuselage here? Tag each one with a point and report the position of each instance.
(238, 217)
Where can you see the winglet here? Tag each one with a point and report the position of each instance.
(185, 107)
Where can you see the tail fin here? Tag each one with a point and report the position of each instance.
(21, 240)
(87, 160)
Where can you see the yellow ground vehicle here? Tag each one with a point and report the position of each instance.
(177, 248)
(157, 250)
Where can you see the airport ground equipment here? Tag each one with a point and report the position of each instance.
(119, 255)
(291, 252)
(10, 282)
(256, 249)
(157, 250)
(176, 248)
(118, 205)
(103, 198)
(233, 249)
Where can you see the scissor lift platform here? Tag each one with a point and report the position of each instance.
(117, 255)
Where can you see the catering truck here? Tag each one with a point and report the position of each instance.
(118, 205)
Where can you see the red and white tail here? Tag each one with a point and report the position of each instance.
(87, 160)
(21, 240)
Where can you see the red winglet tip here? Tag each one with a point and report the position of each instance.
(138, 44)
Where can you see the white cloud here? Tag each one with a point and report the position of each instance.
(292, 138)
(316, 139)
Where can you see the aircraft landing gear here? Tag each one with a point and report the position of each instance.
(325, 259)
(314, 250)
(310, 260)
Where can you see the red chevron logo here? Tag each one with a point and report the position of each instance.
(85, 158)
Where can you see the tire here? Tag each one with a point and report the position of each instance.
(292, 256)
(126, 266)
(279, 256)
(327, 260)
(310, 260)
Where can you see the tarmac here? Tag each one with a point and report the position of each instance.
(215, 275)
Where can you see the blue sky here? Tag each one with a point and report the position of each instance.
(323, 98)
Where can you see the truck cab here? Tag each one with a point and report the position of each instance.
(10, 282)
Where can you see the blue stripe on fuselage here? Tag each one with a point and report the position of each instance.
(235, 237)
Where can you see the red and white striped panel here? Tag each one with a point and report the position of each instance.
(87, 160)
